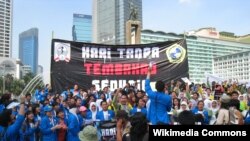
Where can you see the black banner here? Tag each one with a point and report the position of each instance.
(114, 65)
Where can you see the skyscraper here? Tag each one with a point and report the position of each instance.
(109, 19)
(28, 48)
(82, 28)
(5, 27)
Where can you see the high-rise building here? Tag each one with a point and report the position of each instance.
(110, 17)
(82, 28)
(201, 50)
(39, 69)
(28, 48)
(25, 70)
(5, 27)
(234, 66)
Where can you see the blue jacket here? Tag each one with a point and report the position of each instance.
(89, 114)
(26, 132)
(45, 128)
(100, 115)
(2, 107)
(73, 128)
(205, 113)
(159, 106)
(134, 110)
(81, 121)
(12, 131)
(66, 113)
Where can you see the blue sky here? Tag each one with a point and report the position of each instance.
(166, 15)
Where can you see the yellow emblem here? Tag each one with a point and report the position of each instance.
(176, 53)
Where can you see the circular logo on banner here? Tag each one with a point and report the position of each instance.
(62, 52)
(176, 53)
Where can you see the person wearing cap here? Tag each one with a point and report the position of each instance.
(223, 113)
(183, 107)
(49, 125)
(89, 133)
(82, 116)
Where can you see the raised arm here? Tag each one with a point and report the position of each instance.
(148, 88)
(14, 128)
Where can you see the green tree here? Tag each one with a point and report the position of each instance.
(17, 86)
(8, 81)
(28, 77)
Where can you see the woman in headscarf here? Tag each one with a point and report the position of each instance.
(91, 114)
(213, 112)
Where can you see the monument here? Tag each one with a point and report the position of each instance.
(133, 26)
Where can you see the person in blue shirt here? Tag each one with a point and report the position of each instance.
(200, 110)
(105, 114)
(91, 114)
(82, 116)
(37, 117)
(73, 122)
(160, 103)
(9, 131)
(29, 127)
(49, 125)
(139, 108)
(4, 101)
(75, 91)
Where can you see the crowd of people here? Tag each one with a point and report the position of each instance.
(123, 115)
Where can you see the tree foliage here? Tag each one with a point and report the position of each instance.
(14, 85)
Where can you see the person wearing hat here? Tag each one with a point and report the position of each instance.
(49, 125)
(223, 113)
(82, 116)
(183, 107)
(89, 133)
